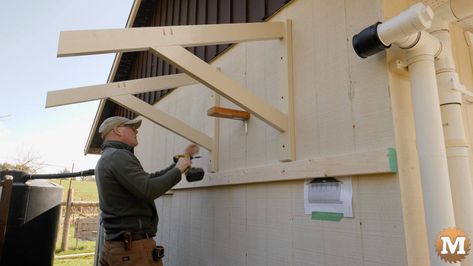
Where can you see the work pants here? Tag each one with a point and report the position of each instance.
(115, 254)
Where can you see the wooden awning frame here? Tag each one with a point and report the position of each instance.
(168, 43)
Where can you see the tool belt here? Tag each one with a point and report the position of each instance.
(127, 238)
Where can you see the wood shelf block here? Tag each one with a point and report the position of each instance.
(222, 112)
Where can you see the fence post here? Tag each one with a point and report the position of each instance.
(67, 220)
(7, 187)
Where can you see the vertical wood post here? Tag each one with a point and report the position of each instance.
(74, 221)
(7, 184)
(67, 220)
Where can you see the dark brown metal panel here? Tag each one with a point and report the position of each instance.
(144, 64)
(169, 19)
(192, 15)
(192, 18)
(151, 68)
(160, 22)
(140, 66)
(164, 17)
(154, 65)
(201, 19)
(211, 18)
(149, 64)
(256, 10)
(239, 11)
(146, 72)
(154, 59)
(175, 21)
(165, 68)
(167, 9)
(169, 12)
(176, 12)
(164, 7)
(134, 68)
(184, 12)
(223, 16)
(274, 5)
(201, 11)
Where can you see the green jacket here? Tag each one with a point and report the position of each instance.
(127, 192)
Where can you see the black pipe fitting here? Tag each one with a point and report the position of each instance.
(22, 177)
(367, 42)
(62, 175)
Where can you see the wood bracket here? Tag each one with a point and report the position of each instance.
(223, 112)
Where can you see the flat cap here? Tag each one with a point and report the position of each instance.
(116, 121)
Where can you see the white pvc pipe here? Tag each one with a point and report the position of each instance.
(404, 30)
(455, 137)
(411, 21)
(459, 170)
(450, 11)
(430, 141)
(461, 9)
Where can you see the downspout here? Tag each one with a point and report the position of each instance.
(469, 42)
(406, 31)
(436, 190)
(454, 130)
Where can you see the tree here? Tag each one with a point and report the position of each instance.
(65, 171)
(19, 167)
(28, 162)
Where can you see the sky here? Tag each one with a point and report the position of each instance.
(29, 35)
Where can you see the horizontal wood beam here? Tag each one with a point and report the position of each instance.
(72, 256)
(223, 85)
(223, 112)
(90, 93)
(82, 203)
(161, 118)
(353, 164)
(85, 42)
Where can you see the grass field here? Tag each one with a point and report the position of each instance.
(83, 191)
(82, 247)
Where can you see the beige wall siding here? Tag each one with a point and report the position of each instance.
(342, 102)
(342, 105)
(265, 224)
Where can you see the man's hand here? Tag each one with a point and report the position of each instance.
(183, 163)
(192, 150)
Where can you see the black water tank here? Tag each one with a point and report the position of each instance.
(32, 222)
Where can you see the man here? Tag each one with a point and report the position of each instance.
(127, 194)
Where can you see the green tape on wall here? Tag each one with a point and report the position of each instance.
(327, 216)
(392, 160)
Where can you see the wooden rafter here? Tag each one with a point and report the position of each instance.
(96, 92)
(159, 117)
(141, 39)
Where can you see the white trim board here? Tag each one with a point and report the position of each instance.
(358, 163)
